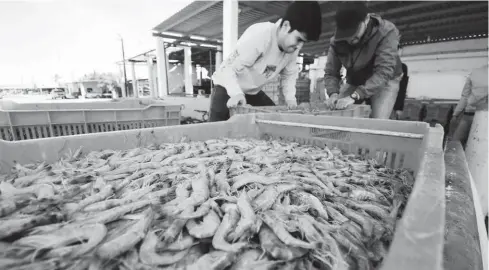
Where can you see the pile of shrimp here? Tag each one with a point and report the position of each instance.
(307, 108)
(218, 204)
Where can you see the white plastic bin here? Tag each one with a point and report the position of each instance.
(33, 124)
(418, 240)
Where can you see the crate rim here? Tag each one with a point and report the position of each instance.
(182, 107)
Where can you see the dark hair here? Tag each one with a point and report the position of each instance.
(350, 14)
(305, 17)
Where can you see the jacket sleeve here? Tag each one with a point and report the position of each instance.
(332, 74)
(288, 79)
(249, 48)
(384, 66)
(463, 99)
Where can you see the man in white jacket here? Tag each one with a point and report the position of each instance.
(264, 51)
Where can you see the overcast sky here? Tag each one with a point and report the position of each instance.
(41, 38)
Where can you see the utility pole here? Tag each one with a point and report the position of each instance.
(124, 93)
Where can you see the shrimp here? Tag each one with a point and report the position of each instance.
(107, 204)
(184, 242)
(311, 201)
(335, 214)
(371, 209)
(267, 198)
(206, 228)
(247, 218)
(306, 225)
(165, 154)
(363, 195)
(222, 183)
(271, 244)
(248, 178)
(203, 210)
(60, 241)
(246, 259)
(177, 225)
(45, 191)
(229, 220)
(12, 226)
(358, 253)
(379, 251)
(114, 213)
(55, 263)
(148, 255)
(7, 207)
(194, 253)
(214, 260)
(127, 240)
(200, 191)
(271, 219)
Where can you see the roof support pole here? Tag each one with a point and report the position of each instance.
(135, 91)
(155, 80)
(187, 67)
(150, 77)
(218, 57)
(230, 26)
(162, 68)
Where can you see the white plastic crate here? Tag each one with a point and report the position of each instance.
(418, 241)
(34, 124)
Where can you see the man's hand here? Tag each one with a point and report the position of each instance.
(331, 101)
(343, 103)
(236, 100)
(291, 104)
(456, 117)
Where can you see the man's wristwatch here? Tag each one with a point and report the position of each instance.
(355, 96)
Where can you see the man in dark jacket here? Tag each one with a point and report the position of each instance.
(401, 96)
(366, 45)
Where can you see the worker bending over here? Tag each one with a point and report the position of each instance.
(366, 45)
(264, 51)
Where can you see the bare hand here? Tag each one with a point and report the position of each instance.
(343, 103)
(331, 101)
(236, 100)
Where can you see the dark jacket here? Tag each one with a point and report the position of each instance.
(370, 64)
(401, 95)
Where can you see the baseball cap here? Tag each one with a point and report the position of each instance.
(348, 17)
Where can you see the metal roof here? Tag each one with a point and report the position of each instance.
(417, 21)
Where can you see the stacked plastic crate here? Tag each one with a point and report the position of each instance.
(53, 120)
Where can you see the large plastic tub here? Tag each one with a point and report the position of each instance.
(418, 241)
(33, 124)
(362, 111)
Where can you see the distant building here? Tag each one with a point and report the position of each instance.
(84, 87)
(25, 89)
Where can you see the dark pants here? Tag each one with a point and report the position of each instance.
(219, 110)
(461, 127)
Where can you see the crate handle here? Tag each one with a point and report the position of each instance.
(355, 130)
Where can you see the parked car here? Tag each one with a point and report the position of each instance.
(74, 95)
(107, 95)
(93, 95)
(58, 93)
